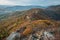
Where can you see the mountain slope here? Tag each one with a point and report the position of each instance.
(33, 20)
(37, 13)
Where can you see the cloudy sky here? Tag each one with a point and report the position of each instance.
(30, 2)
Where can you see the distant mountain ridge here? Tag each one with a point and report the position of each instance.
(16, 8)
(55, 8)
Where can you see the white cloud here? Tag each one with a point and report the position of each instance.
(15, 2)
(21, 2)
(29, 2)
(6, 2)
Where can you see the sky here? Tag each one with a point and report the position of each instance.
(30, 2)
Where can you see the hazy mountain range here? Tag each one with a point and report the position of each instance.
(52, 12)
(17, 8)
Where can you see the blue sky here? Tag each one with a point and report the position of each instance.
(30, 2)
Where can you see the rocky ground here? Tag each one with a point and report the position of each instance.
(37, 30)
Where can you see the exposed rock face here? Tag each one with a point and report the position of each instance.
(40, 35)
(14, 36)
